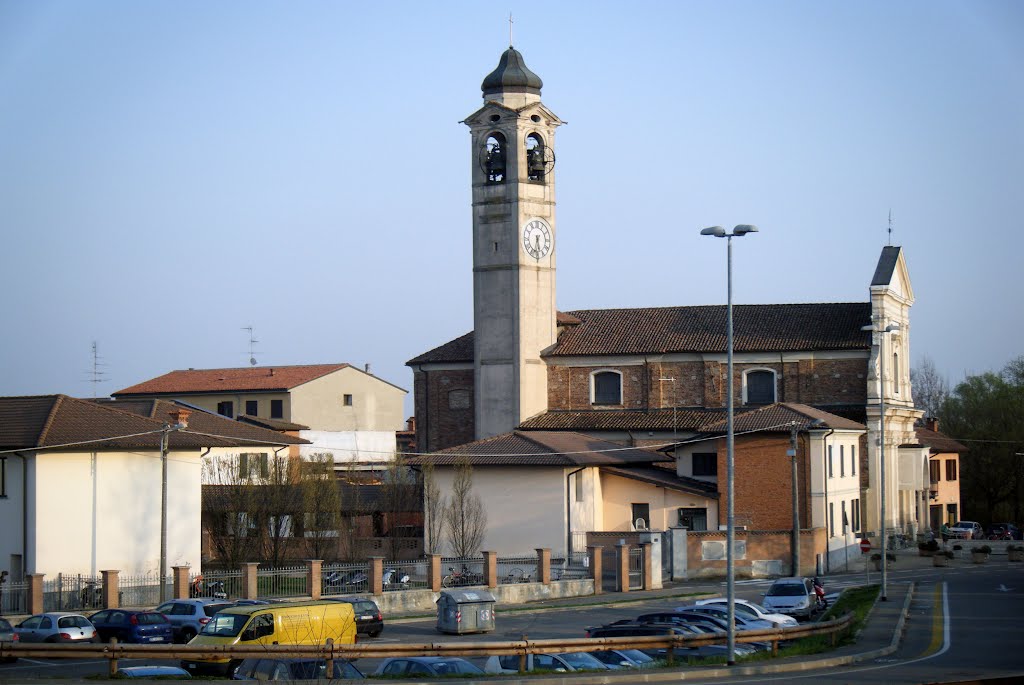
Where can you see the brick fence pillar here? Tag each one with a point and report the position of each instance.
(622, 567)
(250, 580)
(544, 565)
(594, 554)
(648, 558)
(313, 577)
(377, 575)
(179, 578)
(434, 572)
(35, 592)
(110, 590)
(491, 569)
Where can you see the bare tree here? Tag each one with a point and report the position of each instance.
(229, 519)
(399, 503)
(929, 388)
(465, 518)
(434, 504)
(321, 507)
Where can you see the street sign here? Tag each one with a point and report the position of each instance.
(865, 546)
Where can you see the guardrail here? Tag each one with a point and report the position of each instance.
(329, 651)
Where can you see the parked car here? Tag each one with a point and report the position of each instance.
(966, 530)
(649, 629)
(751, 609)
(188, 616)
(743, 620)
(791, 596)
(8, 638)
(56, 626)
(1004, 531)
(428, 666)
(154, 672)
(282, 669)
(565, 662)
(624, 658)
(369, 619)
(140, 627)
(702, 623)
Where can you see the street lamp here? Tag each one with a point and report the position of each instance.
(730, 528)
(894, 326)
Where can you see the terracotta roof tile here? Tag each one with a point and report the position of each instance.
(780, 418)
(938, 442)
(668, 479)
(700, 329)
(520, 448)
(684, 419)
(246, 379)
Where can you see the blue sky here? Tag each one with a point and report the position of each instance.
(171, 172)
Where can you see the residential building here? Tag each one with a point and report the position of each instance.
(338, 408)
(943, 474)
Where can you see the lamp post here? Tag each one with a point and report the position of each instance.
(730, 527)
(181, 421)
(881, 448)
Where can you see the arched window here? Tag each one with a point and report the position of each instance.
(537, 157)
(759, 386)
(606, 387)
(494, 158)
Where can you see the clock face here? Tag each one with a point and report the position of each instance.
(537, 238)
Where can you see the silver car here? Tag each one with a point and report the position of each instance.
(791, 596)
(56, 626)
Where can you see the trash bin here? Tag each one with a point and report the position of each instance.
(465, 611)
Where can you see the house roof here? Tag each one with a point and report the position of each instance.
(781, 418)
(654, 475)
(541, 448)
(58, 420)
(699, 329)
(938, 443)
(245, 379)
(272, 424)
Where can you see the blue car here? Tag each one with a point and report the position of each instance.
(139, 627)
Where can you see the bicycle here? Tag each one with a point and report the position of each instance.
(461, 578)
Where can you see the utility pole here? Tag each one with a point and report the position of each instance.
(180, 417)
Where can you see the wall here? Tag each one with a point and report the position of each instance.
(350, 446)
(101, 511)
(376, 404)
(758, 553)
(620, 493)
(439, 424)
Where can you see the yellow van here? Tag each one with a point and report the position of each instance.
(291, 623)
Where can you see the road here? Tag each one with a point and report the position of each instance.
(963, 624)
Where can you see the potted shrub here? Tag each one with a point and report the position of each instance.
(1015, 552)
(979, 555)
(876, 558)
(942, 557)
(927, 549)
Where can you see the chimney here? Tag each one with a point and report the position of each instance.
(271, 372)
(931, 423)
(410, 424)
(366, 367)
(179, 416)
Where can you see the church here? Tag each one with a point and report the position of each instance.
(613, 420)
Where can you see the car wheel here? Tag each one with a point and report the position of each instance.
(187, 634)
(374, 633)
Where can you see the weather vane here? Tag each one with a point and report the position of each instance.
(510, 29)
(890, 227)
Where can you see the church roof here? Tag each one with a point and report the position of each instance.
(511, 76)
(658, 330)
(541, 448)
(886, 265)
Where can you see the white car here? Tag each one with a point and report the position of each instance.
(743, 621)
(751, 609)
(966, 530)
(791, 596)
(565, 662)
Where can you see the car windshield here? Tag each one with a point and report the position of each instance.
(225, 625)
(636, 655)
(963, 524)
(73, 622)
(581, 660)
(150, 619)
(211, 609)
(460, 667)
(786, 590)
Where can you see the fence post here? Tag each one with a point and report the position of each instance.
(110, 586)
(622, 567)
(648, 559)
(313, 580)
(179, 578)
(490, 569)
(250, 580)
(434, 572)
(594, 552)
(376, 575)
(35, 592)
(544, 565)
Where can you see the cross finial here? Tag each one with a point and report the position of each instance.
(510, 29)
(890, 227)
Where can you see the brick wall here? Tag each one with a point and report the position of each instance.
(443, 419)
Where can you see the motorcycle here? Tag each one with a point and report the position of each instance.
(338, 582)
(395, 579)
(214, 588)
(819, 592)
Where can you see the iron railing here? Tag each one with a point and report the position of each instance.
(636, 567)
(14, 598)
(344, 579)
(282, 582)
(457, 572)
(512, 570)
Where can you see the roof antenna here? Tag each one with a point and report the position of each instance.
(510, 29)
(252, 341)
(96, 373)
(890, 227)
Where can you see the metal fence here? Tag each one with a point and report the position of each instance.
(513, 570)
(72, 592)
(574, 566)
(213, 583)
(14, 598)
(456, 572)
(282, 582)
(344, 579)
(405, 574)
(636, 567)
(141, 591)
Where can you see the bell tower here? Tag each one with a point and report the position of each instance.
(512, 160)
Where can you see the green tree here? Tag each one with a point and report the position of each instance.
(986, 413)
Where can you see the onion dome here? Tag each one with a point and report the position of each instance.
(511, 76)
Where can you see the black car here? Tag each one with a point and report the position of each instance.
(282, 669)
(369, 620)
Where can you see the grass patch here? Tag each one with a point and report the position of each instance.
(857, 600)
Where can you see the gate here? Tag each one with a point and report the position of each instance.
(636, 568)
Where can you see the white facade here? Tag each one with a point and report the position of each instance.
(835, 492)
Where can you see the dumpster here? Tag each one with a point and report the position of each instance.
(465, 611)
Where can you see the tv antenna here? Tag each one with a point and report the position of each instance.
(96, 375)
(252, 342)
